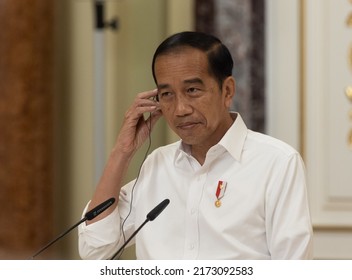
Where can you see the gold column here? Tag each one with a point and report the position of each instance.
(25, 126)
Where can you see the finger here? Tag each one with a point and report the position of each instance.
(147, 94)
(154, 117)
(146, 99)
(142, 105)
(139, 111)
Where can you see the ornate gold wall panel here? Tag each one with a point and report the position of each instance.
(328, 135)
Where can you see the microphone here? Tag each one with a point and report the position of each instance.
(90, 215)
(150, 217)
(157, 210)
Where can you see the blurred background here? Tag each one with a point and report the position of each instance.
(68, 73)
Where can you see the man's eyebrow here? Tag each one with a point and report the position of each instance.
(163, 86)
(194, 81)
(188, 81)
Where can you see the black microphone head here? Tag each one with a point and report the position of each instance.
(157, 210)
(90, 215)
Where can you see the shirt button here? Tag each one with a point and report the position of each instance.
(193, 211)
(191, 246)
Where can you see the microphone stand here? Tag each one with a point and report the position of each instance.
(129, 239)
(90, 215)
(57, 238)
(155, 212)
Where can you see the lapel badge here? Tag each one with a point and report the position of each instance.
(220, 192)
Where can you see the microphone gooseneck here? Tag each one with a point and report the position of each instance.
(150, 217)
(88, 216)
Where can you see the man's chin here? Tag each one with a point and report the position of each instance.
(190, 140)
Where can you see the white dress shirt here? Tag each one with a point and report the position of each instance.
(264, 210)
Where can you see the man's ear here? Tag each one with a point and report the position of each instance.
(228, 89)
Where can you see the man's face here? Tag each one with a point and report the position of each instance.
(190, 99)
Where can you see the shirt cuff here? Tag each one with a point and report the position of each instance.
(102, 232)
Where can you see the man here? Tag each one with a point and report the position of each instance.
(234, 193)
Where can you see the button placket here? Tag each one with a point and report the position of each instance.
(192, 219)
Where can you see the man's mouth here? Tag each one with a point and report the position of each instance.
(187, 125)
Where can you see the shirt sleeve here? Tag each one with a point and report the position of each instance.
(102, 239)
(289, 229)
(99, 240)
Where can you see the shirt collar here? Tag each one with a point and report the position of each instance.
(234, 138)
(232, 141)
(183, 150)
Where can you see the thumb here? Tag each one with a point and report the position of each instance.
(154, 117)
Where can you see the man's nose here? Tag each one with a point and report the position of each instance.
(182, 105)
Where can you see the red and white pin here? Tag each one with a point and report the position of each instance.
(220, 192)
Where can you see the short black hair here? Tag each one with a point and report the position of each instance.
(219, 58)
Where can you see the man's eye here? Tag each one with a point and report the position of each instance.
(165, 94)
(192, 90)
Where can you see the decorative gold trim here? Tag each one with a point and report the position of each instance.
(349, 139)
(348, 90)
(350, 57)
(327, 228)
(348, 93)
(349, 20)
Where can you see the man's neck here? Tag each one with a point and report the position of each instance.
(199, 152)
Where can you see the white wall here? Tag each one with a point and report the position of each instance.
(283, 70)
(307, 74)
